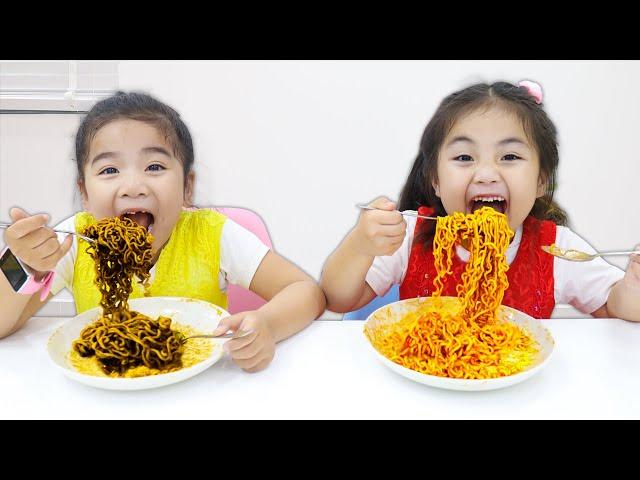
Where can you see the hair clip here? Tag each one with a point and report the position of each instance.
(533, 88)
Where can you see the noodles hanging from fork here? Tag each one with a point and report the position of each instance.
(122, 250)
(464, 339)
(122, 339)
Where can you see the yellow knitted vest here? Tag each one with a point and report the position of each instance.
(188, 264)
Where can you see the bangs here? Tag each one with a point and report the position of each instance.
(484, 104)
(161, 123)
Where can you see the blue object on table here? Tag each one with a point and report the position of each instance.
(393, 295)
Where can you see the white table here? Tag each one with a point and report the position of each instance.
(327, 371)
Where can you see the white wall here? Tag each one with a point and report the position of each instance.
(301, 142)
(37, 171)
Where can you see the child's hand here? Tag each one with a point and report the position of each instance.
(380, 232)
(36, 247)
(632, 275)
(255, 351)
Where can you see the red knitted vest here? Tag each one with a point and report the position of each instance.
(530, 274)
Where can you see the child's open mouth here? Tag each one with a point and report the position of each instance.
(141, 217)
(496, 202)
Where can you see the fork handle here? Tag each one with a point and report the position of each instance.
(406, 214)
(86, 239)
(236, 334)
(226, 335)
(610, 254)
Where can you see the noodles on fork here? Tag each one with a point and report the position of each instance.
(123, 249)
(122, 339)
(467, 340)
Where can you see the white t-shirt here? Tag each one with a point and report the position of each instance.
(584, 285)
(240, 255)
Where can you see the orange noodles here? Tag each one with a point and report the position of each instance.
(462, 338)
(486, 234)
(122, 339)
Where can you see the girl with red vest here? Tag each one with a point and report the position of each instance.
(486, 145)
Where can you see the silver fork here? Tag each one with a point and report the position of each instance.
(406, 214)
(578, 256)
(238, 334)
(465, 243)
(86, 239)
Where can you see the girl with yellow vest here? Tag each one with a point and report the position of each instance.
(134, 158)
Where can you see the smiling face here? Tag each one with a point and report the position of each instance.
(131, 170)
(487, 159)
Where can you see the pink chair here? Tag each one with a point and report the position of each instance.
(241, 299)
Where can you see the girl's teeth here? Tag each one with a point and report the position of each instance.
(488, 199)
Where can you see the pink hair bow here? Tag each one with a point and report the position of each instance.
(533, 88)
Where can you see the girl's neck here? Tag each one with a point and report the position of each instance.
(158, 252)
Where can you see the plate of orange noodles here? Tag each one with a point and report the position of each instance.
(186, 316)
(410, 337)
(471, 341)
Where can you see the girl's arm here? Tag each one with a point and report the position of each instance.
(343, 276)
(38, 248)
(624, 298)
(294, 300)
(378, 232)
(16, 308)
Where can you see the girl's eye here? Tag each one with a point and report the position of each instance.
(109, 171)
(511, 156)
(155, 167)
(464, 158)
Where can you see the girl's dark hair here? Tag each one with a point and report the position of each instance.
(135, 106)
(418, 190)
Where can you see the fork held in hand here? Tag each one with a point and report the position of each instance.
(86, 239)
(238, 334)
(406, 214)
(578, 256)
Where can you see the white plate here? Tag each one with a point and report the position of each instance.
(394, 312)
(201, 315)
